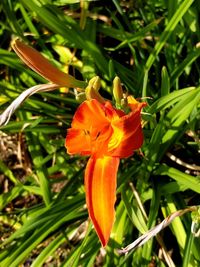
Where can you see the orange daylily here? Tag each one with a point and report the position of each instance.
(99, 130)
(106, 134)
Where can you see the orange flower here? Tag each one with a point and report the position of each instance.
(99, 130)
(106, 134)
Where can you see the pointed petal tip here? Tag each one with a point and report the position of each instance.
(104, 242)
(100, 186)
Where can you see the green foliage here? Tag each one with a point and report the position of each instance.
(153, 47)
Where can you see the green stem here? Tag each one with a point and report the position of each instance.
(187, 252)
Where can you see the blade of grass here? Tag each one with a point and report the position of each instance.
(191, 57)
(183, 8)
(67, 28)
(30, 243)
(48, 251)
(187, 180)
(176, 225)
(187, 252)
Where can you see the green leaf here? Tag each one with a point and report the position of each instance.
(184, 179)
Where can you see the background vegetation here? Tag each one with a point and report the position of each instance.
(153, 46)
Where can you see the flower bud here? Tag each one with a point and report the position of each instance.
(37, 62)
(117, 92)
(91, 91)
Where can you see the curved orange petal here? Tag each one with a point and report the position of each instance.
(90, 114)
(100, 186)
(78, 142)
(91, 129)
(41, 65)
(127, 135)
(134, 104)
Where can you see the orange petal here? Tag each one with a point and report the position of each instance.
(78, 142)
(100, 186)
(90, 114)
(127, 135)
(134, 104)
(91, 129)
(42, 66)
